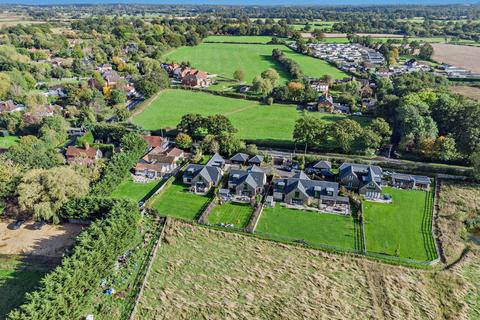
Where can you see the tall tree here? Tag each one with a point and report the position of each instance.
(309, 131)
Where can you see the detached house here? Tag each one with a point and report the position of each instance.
(196, 79)
(202, 178)
(87, 155)
(325, 103)
(247, 183)
(10, 106)
(158, 162)
(406, 181)
(366, 179)
(156, 142)
(112, 78)
(301, 190)
(239, 158)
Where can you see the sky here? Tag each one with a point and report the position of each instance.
(244, 2)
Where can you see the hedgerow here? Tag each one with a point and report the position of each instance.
(292, 66)
(68, 292)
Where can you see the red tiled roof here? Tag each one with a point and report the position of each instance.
(73, 152)
(154, 141)
(174, 152)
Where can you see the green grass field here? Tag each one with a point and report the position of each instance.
(7, 142)
(224, 58)
(177, 201)
(15, 282)
(132, 190)
(402, 227)
(253, 120)
(315, 228)
(231, 213)
(240, 39)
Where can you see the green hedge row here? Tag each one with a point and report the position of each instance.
(69, 291)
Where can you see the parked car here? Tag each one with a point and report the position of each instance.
(18, 224)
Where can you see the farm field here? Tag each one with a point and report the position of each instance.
(401, 228)
(313, 67)
(471, 92)
(457, 202)
(176, 201)
(247, 116)
(224, 58)
(9, 20)
(133, 190)
(7, 142)
(231, 213)
(203, 273)
(240, 39)
(460, 56)
(316, 229)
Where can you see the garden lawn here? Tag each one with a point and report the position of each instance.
(223, 59)
(237, 214)
(317, 229)
(178, 202)
(402, 227)
(255, 122)
(7, 142)
(314, 67)
(132, 190)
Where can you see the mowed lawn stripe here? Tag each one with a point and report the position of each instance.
(315, 228)
(178, 202)
(403, 227)
(237, 214)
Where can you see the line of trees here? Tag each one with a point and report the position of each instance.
(291, 65)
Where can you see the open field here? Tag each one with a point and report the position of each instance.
(9, 20)
(202, 273)
(240, 39)
(176, 201)
(315, 228)
(401, 228)
(466, 57)
(313, 67)
(231, 213)
(457, 202)
(132, 190)
(471, 92)
(7, 142)
(249, 117)
(224, 58)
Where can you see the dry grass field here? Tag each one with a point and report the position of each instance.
(200, 273)
(8, 20)
(457, 202)
(471, 92)
(466, 57)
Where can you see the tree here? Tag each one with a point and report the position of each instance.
(192, 124)
(426, 51)
(381, 128)
(271, 75)
(10, 175)
(309, 130)
(34, 153)
(54, 130)
(230, 144)
(295, 90)
(43, 192)
(261, 85)
(218, 124)
(116, 97)
(445, 148)
(152, 77)
(210, 144)
(5, 85)
(345, 132)
(133, 142)
(239, 75)
(183, 141)
(475, 160)
(371, 140)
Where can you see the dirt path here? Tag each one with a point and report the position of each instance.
(143, 105)
(239, 110)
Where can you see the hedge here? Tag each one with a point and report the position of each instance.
(68, 292)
